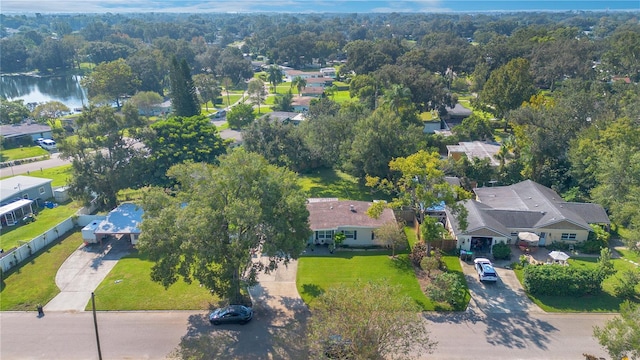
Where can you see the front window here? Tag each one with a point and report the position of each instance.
(568, 236)
(41, 190)
(350, 234)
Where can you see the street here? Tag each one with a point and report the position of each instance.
(26, 169)
(153, 335)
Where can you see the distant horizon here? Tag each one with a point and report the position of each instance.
(311, 6)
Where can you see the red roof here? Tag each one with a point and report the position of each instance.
(335, 213)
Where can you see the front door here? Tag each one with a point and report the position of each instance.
(543, 239)
(11, 219)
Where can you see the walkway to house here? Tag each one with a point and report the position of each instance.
(82, 272)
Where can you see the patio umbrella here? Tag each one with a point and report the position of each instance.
(559, 256)
(531, 238)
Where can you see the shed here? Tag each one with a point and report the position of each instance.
(88, 232)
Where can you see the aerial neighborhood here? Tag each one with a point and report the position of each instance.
(342, 185)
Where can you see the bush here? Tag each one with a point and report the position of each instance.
(418, 252)
(626, 287)
(501, 251)
(446, 287)
(562, 280)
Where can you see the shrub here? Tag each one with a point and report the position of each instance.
(562, 280)
(430, 263)
(446, 287)
(501, 251)
(418, 252)
(626, 287)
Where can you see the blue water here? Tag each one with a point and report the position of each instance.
(34, 89)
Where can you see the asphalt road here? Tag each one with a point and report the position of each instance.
(26, 169)
(153, 335)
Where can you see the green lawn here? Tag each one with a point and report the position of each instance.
(34, 282)
(411, 236)
(232, 98)
(46, 219)
(630, 255)
(341, 96)
(59, 174)
(22, 153)
(336, 184)
(606, 301)
(129, 287)
(318, 273)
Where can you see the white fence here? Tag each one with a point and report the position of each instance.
(24, 251)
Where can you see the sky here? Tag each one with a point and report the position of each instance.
(307, 6)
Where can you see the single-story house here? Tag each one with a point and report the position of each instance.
(329, 72)
(319, 82)
(475, 149)
(301, 103)
(25, 132)
(286, 117)
(499, 214)
(328, 216)
(457, 113)
(232, 137)
(291, 74)
(123, 221)
(25, 187)
(312, 91)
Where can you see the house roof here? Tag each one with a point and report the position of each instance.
(332, 214)
(124, 219)
(458, 110)
(11, 131)
(14, 206)
(281, 115)
(13, 186)
(301, 100)
(526, 204)
(313, 90)
(477, 149)
(234, 135)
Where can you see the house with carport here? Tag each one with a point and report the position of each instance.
(503, 213)
(122, 223)
(329, 216)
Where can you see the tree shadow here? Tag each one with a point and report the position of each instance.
(312, 290)
(277, 331)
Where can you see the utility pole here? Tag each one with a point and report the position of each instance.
(95, 324)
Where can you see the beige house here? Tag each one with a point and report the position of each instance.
(499, 214)
(329, 216)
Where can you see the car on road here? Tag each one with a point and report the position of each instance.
(485, 270)
(232, 314)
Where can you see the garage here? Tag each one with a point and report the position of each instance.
(481, 244)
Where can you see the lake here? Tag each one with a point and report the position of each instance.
(36, 89)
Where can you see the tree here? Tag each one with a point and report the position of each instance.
(218, 216)
(184, 98)
(207, 88)
(102, 159)
(177, 140)
(626, 286)
(392, 235)
(299, 83)
(429, 264)
(274, 76)
(605, 263)
(12, 112)
(383, 325)
(145, 100)
(240, 116)
(228, 84)
(419, 185)
(507, 88)
(233, 65)
(257, 92)
(283, 102)
(49, 110)
(112, 80)
(431, 230)
(620, 336)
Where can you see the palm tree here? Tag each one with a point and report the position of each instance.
(300, 83)
(274, 76)
(397, 98)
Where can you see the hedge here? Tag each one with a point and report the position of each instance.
(562, 280)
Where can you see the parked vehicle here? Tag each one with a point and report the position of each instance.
(485, 270)
(48, 144)
(232, 314)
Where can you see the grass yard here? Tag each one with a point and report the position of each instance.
(129, 287)
(606, 301)
(34, 282)
(630, 255)
(336, 184)
(46, 219)
(22, 153)
(233, 97)
(318, 273)
(59, 174)
(412, 238)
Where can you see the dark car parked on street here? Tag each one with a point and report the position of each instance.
(232, 314)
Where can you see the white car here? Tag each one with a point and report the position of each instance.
(485, 270)
(47, 144)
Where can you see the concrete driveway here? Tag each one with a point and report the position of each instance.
(82, 272)
(504, 296)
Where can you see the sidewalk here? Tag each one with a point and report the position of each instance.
(82, 272)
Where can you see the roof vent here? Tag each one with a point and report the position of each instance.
(352, 208)
(331, 207)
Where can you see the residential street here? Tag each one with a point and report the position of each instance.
(25, 169)
(153, 335)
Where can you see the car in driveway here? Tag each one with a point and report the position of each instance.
(485, 270)
(232, 314)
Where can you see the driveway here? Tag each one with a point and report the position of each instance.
(504, 296)
(82, 272)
